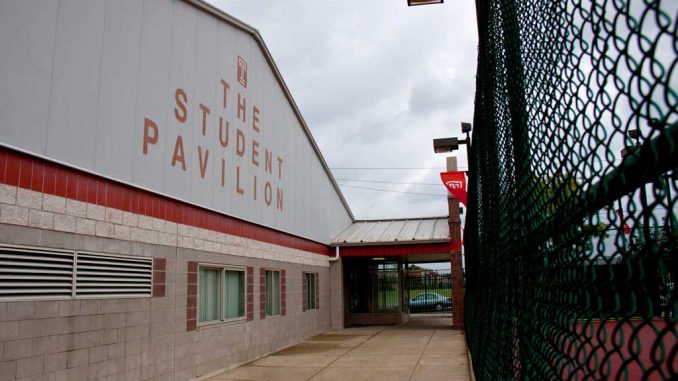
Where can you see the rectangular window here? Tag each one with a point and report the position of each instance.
(209, 293)
(221, 294)
(234, 291)
(310, 291)
(272, 292)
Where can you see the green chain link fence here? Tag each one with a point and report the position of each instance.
(571, 249)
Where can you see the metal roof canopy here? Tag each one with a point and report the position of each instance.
(394, 232)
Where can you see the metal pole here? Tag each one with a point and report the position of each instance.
(643, 203)
(455, 255)
(669, 222)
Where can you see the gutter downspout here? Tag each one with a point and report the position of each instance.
(336, 255)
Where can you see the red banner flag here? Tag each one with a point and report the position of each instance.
(456, 184)
(627, 228)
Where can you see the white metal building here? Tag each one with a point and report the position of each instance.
(164, 210)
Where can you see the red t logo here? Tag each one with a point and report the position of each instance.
(242, 71)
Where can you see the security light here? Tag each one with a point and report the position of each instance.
(452, 144)
(445, 145)
(424, 2)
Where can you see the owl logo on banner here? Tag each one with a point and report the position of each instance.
(242, 72)
(455, 182)
(452, 184)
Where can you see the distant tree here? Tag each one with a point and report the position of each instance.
(554, 192)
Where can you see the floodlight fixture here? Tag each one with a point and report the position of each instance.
(445, 145)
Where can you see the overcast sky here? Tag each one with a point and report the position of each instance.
(376, 81)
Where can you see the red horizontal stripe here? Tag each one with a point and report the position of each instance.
(397, 250)
(28, 172)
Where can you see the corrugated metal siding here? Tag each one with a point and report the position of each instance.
(409, 231)
(425, 230)
(434, 229)
(376, 231)
(392, 233)
(441, 230)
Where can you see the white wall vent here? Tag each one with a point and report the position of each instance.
(28, 273)
(101, 275)
(35, 274)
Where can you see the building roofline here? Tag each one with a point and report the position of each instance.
(405, 219)
(388, 243)
(360, 233)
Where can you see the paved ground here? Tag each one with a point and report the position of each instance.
(424, 349)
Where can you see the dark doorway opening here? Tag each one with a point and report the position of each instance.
(374, 291)
(374, 287)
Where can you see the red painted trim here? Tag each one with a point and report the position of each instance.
(250, 293)
(159, 264)
(192, 296)
(397, 250)
(262, 294)
(159, 276)
(28, 172)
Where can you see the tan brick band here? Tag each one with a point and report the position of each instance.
(24, 207)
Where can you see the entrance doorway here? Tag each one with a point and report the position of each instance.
(388, 290)
(374, 291)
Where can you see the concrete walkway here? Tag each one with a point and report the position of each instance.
(425, 349)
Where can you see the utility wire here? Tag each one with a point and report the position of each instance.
(392, 191)
(390, 182)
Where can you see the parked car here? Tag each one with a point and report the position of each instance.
(430, 302)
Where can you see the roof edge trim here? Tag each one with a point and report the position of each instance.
(405, 219)
(388, 243)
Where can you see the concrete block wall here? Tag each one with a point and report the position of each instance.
(141, 338)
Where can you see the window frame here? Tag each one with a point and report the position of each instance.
(279, 296)
(309, 298)
(222, 294)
